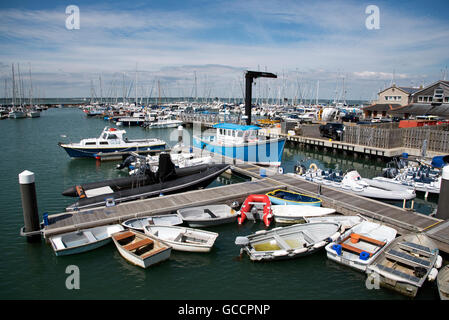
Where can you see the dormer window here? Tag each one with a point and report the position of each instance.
(438, 95)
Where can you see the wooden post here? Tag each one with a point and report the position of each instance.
(29, 205)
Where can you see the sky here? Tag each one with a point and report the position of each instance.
(319, 48)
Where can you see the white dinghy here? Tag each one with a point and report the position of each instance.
(182, 238)
(83, 240)
(296, 214)
(360, 245)
(347, 222)
(141, 249)
(207, 216)
(160, 220)
(406, 264)
(288, 242)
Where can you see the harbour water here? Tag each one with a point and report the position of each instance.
(32, 271)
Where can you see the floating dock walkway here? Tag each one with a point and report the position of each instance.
(404, 220)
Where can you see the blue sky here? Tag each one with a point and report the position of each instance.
(303, 42)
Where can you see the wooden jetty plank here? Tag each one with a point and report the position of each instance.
(159, 205)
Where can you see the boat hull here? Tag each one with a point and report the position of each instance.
(264, 152)
(145, 263)
(80, 152)
(86, 248)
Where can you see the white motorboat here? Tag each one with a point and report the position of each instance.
(206, 216)
(163, 123)
(361, 244)
(110, 140)
(406, 264)
(288, 242)
(83, 240)
(352, 182)
(296, 214)
(182, 238)
(141, 249)
(159, 220)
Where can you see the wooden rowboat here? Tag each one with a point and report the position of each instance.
(141, 249)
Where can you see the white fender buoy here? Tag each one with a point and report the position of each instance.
(319, 244)
(432, 274)
(438, 262)
(335, 236)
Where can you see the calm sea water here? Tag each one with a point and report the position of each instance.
(32, 271)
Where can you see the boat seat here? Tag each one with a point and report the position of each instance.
(124, 235)
(357, 236)
(353, 249)
(138, 244)
(152, 252)
(210, 213)
(407, 259)
(415, 247)
(398, 273)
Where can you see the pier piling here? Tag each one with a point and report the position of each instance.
(443, 199)
(29, 206)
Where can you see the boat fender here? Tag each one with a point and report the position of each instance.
(299, 251)
(319, 244)
(364, 256)
(313, 167)
(438, 262)
(432, 274)
(334, 237)
(337, 249)
(280, 253)
(281, 170)
(241, 241)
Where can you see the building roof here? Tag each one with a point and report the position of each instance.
(444, 82)
(409, 90)
(441, 110)
(379, 107)
(233, 126)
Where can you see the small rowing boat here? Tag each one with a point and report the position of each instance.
(296, 214)
(207, 216)
(160, 220)
(284, 197)
(140, 249)
(360, 245)
(83, 240)
(182, 238)
(288, 242)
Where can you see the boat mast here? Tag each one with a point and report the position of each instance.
(13, 87)
(31, 88)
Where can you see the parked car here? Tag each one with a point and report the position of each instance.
(332, 130)
(350, 117)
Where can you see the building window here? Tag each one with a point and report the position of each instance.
(424, 99)
(430, 99)
(420, 99)
(446, 99)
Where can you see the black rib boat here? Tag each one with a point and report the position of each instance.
(168, 180)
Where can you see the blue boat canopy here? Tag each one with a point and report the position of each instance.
(233, 126)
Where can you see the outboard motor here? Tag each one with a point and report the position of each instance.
(126, 163)
(166, 167)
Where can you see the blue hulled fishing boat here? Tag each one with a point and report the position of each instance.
(110, 140)
(242, 142)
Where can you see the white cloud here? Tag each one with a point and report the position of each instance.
(318, 41)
